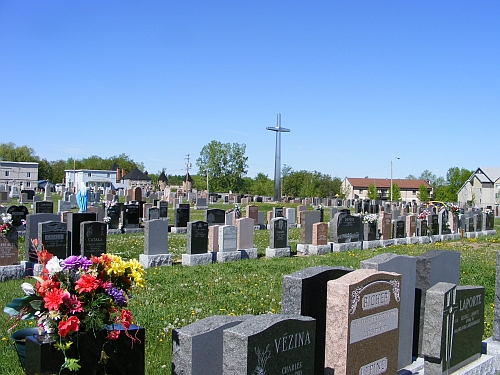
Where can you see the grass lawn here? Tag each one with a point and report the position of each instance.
(176, 296)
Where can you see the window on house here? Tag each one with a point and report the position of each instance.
(7, 173)
(414, 192)
(28, 174)
(360, 191)
(28, 184)
(90, 174)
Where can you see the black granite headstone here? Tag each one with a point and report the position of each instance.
(18, 213)
(74, 219)
(181, 216)
(113, 212)
(215, 216)
(54, 235)
(197, 237)
(93, 235)
(44, 207)
(131, 215)
(345, 227)
(278, 235)
(163, 206)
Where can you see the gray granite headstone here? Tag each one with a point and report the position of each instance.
(432, 267)
(345, 227)
(453, 327)
(304, 293)
(197, 347)
(54, 237)
(152, 213)
(270, 344)
(307, 219)
(406, 267)
(32, 232)
(156, 237)
(227, 238)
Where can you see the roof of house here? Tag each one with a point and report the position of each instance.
(162, 177)
(382, 183)
(487, 174)
(113, 167)
(187, 178)
(136, 175)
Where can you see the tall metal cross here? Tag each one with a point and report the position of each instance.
(277, 159)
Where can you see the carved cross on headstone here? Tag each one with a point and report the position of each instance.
(450, 308)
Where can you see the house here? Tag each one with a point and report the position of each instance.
(482, 189)
(17, 175)
(95, 180)
(136, 178)
(357, 188)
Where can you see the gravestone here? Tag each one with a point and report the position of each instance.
(304, 293)
(320, 234)
(44, 207)
(370, 232)
(300, 208)
(163, 206)
(362, 323)
(399, 228)
(18, 214)
(113, 212)
(290, 216)
(130, 215)
(411, 225)
(406, 267)
(245, 233)
(277, 212)
(63, 206)
(490, 220)
(201, 203)
(433, 266)
(32, 221)
(197, 237)
(433, 220)
(155, 244)
(93, 235)
(54, 237)
(213, 238)
(252, 212)
(345, 228)
(421, 227)
(227, 238)
(453, 327)
(181, 216)
(278, 238)
(9, 254)
(215, 216)
(152, 213)
(478, 222)
(74, 219)
(23, 198)
(385, 225)
(30, 194)
(197, 348)
(307, 219)
(270, 344)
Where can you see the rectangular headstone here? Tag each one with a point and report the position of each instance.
(362, 323)
(345, 228)
(320, 234)
(197, 237)
(215, 216)
(163, 206)
(197, 348)
(156, 237)
(406, 267)
(270, 344)
(152, 213)
(245, 233)
(74, 219)
(93, 236)
(227, 238)
(307, 219)
(213, 238)
(304, 293)
(433, 266)
(9, 254)
(54, 237)
(385, 225)
(278, 233)
(290, 215)
(181, 216)
(131, 214)
(456, 314)
(44, 207)
(252, 212)
(32, 221)
(113, 212)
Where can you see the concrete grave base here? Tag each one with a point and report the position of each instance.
(292, 225)
(308, 249)
(372, 244)
(401, 241)
(470, 235)
(228, 256)
(133, 230)
(13, 272)
(424, 239)
(388, 242)
(336, 247)
(249, 253)
(278, 252)
(446, 237)
(114, 231)
(490, 232)
(412, 240)
(484, 365)
(493, 349)
(436, 238)
(201, 207)
(178, 229)
(157, 260)
(196, 259)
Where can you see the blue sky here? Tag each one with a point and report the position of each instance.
(359, 83)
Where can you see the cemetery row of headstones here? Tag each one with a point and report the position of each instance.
(394, 312)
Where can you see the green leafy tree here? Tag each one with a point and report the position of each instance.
(226, 164)
(262, 185)
(372, 192)
(423, 193)
(11, 152)
(396, 193)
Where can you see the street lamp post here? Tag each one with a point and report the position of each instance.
(391, 176)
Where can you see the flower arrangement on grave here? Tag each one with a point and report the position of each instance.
(106, 219)
(424, 214)
(370, 219)
(453, 208)
(77, 295)
(6, 224)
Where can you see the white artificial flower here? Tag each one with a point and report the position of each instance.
(28, 289)
(53, 266)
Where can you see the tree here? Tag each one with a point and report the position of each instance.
(396, 193)
(226, 164)
(11, 152)
(372, 193)
(423, 194)
(262, 185)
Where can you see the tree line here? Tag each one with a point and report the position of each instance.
(223, 167)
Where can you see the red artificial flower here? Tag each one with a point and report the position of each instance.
(53, 298)
(46, 286)
(113, 335)
(126, 318)
(68, 326)
(86, 284)
(44, 256)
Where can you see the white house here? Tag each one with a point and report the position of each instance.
(95, 180)
(482, 189)
(357, 188)
(17, 175)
